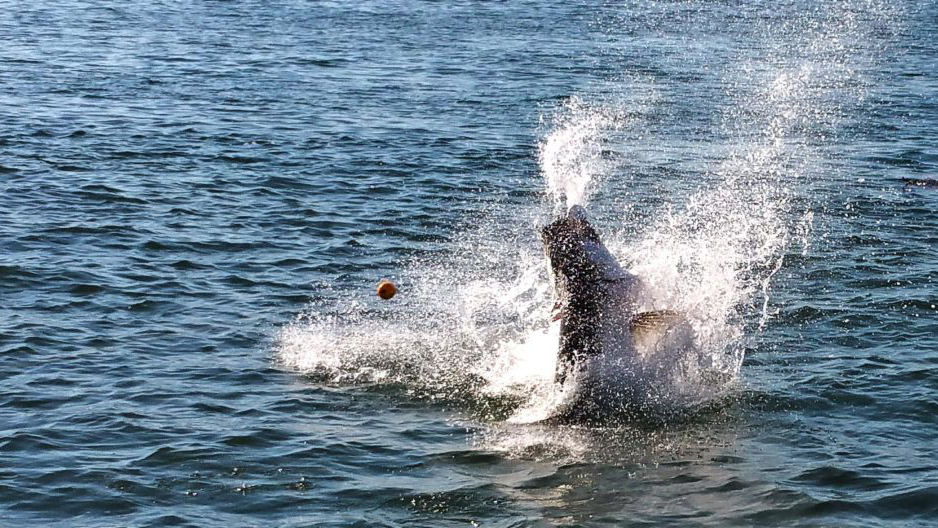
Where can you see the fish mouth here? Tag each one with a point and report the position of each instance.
(565, 240)
(573, 224)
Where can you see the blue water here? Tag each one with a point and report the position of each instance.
(199, 198)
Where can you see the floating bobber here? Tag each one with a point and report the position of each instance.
(386, 289)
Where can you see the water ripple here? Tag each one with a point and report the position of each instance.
(179, 182)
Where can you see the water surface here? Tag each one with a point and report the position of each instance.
(198, 198)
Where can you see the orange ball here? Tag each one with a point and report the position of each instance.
(386, 289)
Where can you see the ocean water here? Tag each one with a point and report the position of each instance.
(198, 199)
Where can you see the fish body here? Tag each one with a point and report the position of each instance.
(612, 356)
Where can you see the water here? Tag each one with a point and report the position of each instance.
(198, 200)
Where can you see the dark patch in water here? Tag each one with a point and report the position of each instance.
(920, 182)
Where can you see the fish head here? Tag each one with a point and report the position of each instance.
(568, 241)
(594, 293)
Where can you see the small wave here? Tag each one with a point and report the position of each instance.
(242, 159)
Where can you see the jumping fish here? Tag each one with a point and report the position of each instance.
(612, 355)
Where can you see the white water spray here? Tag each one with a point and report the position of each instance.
(710, 251)
(573, 155)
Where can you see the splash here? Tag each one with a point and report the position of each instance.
(436, 341)
(710, 249)
(573, 156)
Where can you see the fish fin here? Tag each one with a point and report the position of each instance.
(648, 327)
